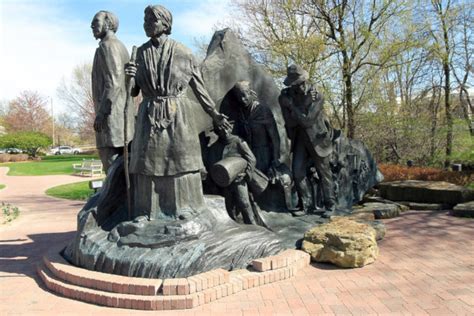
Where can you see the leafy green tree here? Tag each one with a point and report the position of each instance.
(342, 44)
(31, 142)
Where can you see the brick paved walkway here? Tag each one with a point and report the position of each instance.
(425, 267)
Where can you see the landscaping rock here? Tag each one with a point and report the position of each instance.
(426, 206)
(426, 192)
(379, 227)
(463, 210)
(362, 216)
(380, 210)
(369, 219)
(343, 242)
(378, 199)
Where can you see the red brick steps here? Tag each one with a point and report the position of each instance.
(169, 294)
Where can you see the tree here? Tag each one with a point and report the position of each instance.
(463, 62)
(28, 141)
(77, 95)
(28, 112)
(443, 50)
(341, 42)
(354, 30)
(66, 129)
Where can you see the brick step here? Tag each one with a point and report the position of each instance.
(155, 294)
(110, 299)
(98, 280)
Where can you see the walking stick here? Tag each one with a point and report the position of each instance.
(130, 83)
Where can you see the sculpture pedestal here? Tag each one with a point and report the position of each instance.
(169, 248)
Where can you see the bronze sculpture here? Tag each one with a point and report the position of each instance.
(166, 149)
(108, 89)
(238, 190)
(310, 133)
(256, 125)
(176, 231)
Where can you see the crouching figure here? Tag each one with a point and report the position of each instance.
(238, 177)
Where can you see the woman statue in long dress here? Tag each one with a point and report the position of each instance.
(165, 158)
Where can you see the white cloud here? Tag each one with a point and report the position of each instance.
(39, 47)
(199, 20)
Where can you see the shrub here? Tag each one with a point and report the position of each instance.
(398, 172)
(29, 141)
(18, 157)
(9, 212)
(5, 157)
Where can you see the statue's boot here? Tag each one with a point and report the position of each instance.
(306, 199)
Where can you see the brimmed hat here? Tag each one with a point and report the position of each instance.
(295, 75)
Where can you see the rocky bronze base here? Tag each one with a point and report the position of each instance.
(174, 248)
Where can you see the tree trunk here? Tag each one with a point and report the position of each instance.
(466, 108)
(347, 77)
(434, 124)
(447, 100)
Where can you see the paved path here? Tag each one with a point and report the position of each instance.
(425, 267)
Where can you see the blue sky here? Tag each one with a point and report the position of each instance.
(42, 40)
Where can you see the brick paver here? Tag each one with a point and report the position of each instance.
(425, 267)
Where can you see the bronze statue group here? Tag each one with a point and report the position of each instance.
(165, 165)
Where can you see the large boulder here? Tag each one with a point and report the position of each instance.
(379, 227)
(426, 192)
(463, 210)
(369, 219)
(343, 242)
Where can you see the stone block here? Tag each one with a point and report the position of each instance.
(426, 192)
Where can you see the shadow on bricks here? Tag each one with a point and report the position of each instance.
(22, 258)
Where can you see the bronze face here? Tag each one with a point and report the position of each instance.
(153, 26)
(99, 26)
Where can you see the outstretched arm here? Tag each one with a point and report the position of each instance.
(207, 104)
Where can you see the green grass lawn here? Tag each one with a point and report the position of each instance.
(74, 191)
(2, 186)
(49, 165)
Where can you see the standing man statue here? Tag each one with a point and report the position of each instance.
(108, 89)
(308, 130)
(256, 125)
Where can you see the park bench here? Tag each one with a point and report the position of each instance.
(88, 168)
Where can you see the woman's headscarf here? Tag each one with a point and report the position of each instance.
(163, 14)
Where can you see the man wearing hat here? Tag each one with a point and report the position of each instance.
(310, 135)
